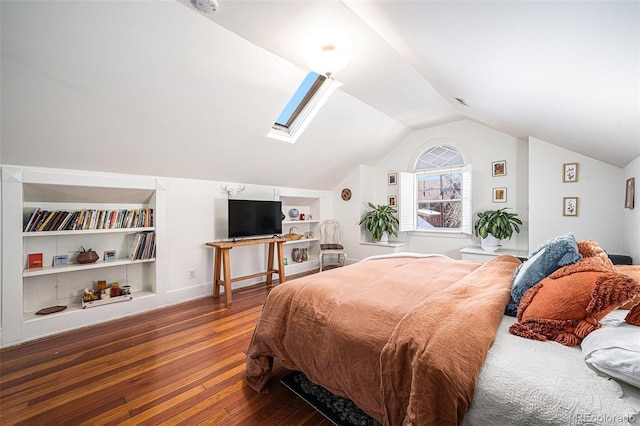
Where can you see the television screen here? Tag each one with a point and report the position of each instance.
(249, 218)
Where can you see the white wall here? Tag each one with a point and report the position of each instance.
(631, 217)
(196, 214)
(481, 145)
(600, 188)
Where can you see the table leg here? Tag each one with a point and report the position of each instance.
(217, 265)
(281, 262)
(270, 264)
(227, 277)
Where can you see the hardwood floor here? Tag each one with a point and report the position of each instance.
(178, 365)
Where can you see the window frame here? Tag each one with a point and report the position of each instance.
(408, 197)
(305, 112)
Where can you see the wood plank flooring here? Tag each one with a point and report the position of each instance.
(178, 365)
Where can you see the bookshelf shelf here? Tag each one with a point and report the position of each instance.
(86, 232)
(301, 241)
(61, 269)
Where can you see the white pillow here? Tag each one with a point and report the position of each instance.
(615, 350)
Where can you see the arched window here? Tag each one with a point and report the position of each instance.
(437, 195)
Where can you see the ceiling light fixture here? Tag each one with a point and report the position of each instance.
(328, 61)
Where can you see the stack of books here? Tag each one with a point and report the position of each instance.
(143, 246)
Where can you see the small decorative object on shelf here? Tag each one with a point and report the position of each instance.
(34, 260)
(293, 235)
(110, 255)
(89, 295)
(51, 310)
(305, 254)
(293, 214)
(301, 216)
(87, 256)
(60, 260)
(296, 255)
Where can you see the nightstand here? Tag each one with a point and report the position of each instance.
(478, 254)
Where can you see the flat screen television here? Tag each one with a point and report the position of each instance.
(252, 218)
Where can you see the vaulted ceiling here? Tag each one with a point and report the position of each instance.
(566, 72)
(161, 88)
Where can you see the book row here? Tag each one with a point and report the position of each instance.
(143, 246)
(59, 220)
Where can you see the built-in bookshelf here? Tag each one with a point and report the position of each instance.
(53, 216)
(307, 223)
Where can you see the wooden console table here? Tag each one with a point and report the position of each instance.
(221, 258)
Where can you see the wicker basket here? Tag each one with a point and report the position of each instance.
(291, 235)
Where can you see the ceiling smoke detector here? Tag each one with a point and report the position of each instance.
(207, 6)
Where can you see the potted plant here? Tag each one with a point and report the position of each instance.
(380, 221)
(495, 225)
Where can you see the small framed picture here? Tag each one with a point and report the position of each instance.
(62, 259)
(499, 168)
(393, 178)
(630, 193)
(570, 206)
(392, 201)
(110, 255)
(570, 172)
(500, 195)
(34, 260)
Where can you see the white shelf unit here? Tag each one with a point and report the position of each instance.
(310, 205)
(26, 291)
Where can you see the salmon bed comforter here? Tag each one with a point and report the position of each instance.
(404, 338)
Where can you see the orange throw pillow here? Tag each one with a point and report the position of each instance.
(567, 305)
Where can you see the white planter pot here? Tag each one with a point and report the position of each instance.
(490, 243)
(384, 238)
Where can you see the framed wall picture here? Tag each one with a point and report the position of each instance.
(629, 196)
(393, 178)
(570, 172)
(392, 201)
(499, 168)
(500, 195)
(570, 206)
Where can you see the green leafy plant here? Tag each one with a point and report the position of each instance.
(498, 223)
(380, 219)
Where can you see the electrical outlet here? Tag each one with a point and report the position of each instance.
(192, 274)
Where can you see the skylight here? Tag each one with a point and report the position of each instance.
(305, 103)
(303, 95)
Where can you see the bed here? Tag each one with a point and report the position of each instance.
(409, 339)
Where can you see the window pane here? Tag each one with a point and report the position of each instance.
(446, 186)
(300, 98)
(439, 214)
(439, 157)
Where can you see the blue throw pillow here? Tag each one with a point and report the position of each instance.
(546, 259)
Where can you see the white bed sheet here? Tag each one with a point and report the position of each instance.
(526, 381)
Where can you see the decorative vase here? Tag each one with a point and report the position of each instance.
(296, 255)
(87, 257)
(490, 243)
(384, 238)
